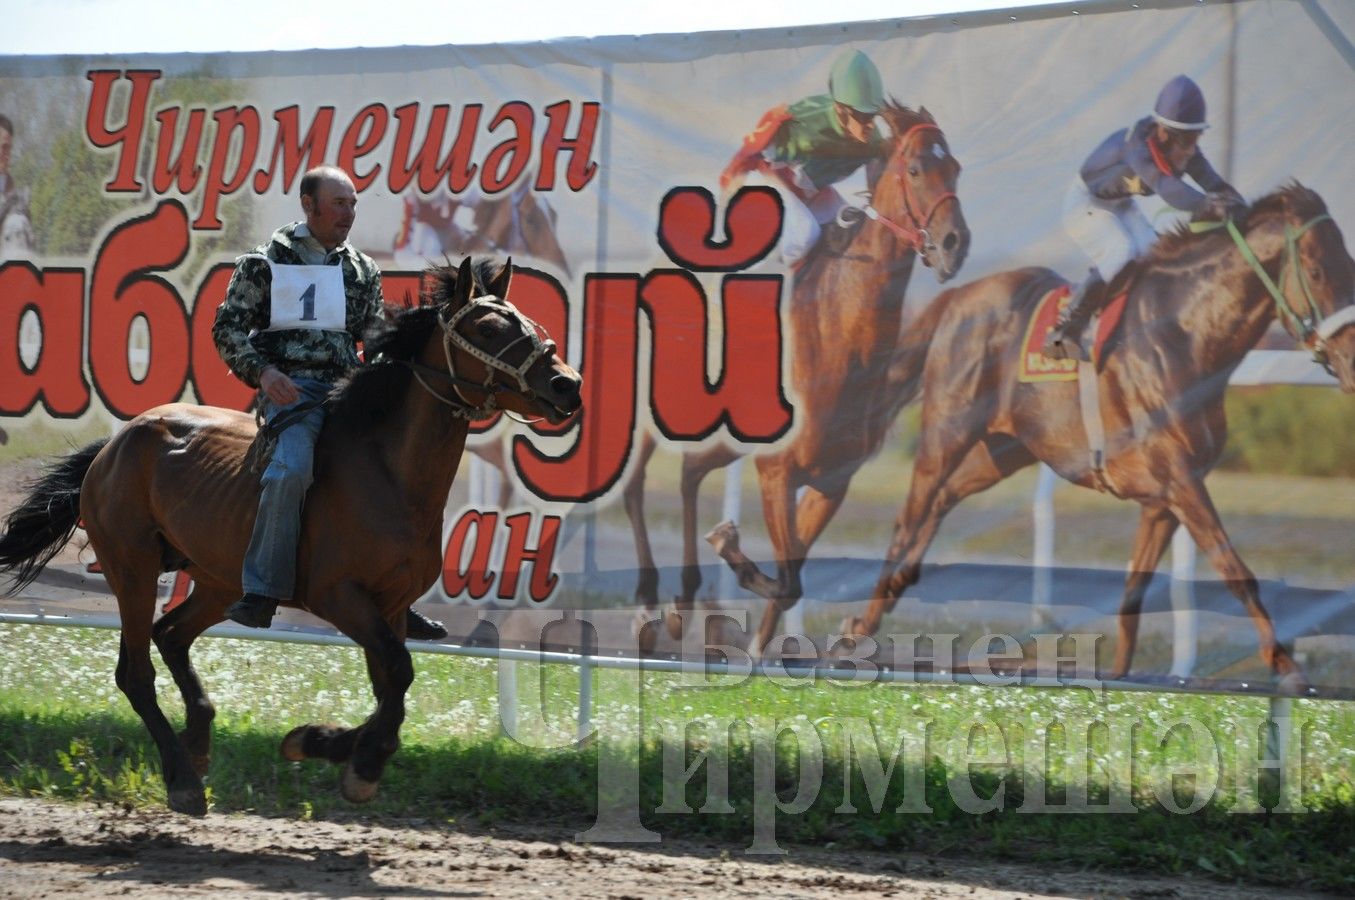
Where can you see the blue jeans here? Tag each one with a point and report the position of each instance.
(270, 562)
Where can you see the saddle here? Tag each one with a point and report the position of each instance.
(1035, 367)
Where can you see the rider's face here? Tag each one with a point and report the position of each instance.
(330, 213)
(855, 124)
(1177, 146)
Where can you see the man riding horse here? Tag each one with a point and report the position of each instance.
(1152, 157)
(294, 311)
(804, 148)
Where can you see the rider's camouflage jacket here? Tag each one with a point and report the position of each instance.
(242, 317)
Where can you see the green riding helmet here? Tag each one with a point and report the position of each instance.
(855, 82)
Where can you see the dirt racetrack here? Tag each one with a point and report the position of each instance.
(63, 850)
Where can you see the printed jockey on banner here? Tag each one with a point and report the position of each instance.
(803, 149)
(294, 312)
(1100, 213)
(434, 227)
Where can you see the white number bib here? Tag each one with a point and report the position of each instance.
(308, 297)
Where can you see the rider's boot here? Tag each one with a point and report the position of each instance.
(419, 627)
(1062, 342)
(253, 610)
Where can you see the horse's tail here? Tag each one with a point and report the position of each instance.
(904, 378)
(42, 524)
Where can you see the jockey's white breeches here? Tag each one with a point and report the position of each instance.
(802, 223)
(1110, 232)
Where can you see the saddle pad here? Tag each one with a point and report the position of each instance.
(1034, 366)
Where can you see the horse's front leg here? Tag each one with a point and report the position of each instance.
(1157, 524)
(367, 748)
(174, 635)
(1191, 503)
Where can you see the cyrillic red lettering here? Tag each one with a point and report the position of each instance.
(507, 161)
(121, 290)
(128, 136)
(476, 579)
(747, 395)
(360, 138)
(288, 147)
(607, 422)
(228, 120)
(581, 166)
(456, 166)
(57, 296)
(215, 384)
(543, 580)
(184, 171)
(687, 227)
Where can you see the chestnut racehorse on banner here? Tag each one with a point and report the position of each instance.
(175, 490)
(1196, 304)
(845, 316)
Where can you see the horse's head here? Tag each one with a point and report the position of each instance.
(1316, 285)
(499, 358)
(915, 194)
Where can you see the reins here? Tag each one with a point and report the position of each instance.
(914, 234)
(1311, 330)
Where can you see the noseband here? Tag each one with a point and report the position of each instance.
(914, 233)
(463, 408)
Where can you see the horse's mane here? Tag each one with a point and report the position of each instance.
(901, 118)
(368, 395)
(1304, 202)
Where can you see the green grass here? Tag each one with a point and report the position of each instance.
(66, 732)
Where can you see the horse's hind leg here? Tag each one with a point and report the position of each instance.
(174, 634)
(132, 573)
(695, 468)
(1157, 524)
(941, 479)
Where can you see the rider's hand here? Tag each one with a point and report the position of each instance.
(1223, 205)
(277, 387)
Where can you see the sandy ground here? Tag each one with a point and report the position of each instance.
(58, 850)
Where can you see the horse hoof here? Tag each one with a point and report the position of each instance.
(1294, 684)
(189, 801)
(672, 620)
(724, 537)
(356, 789)
(645, 631)
(293, 749)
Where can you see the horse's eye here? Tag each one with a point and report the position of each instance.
(914, 171)
(1315, 273)
(486, 328)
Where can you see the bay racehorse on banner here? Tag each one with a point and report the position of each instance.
(175, 490)
(1196, 304)
(845, 316)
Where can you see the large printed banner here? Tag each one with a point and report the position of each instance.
(808, 277)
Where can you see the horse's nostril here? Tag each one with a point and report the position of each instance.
(564, 385)
(949, 244)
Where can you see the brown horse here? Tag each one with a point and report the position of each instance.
(1195, 306)
(174, 490)
(846, 310)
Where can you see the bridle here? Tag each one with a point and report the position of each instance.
(463, 408)
(1311, 330)
(913, 233)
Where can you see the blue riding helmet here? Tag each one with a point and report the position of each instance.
(1180, 105)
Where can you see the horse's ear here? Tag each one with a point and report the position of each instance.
(922, 111)
(465, 283)
(499, 285)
